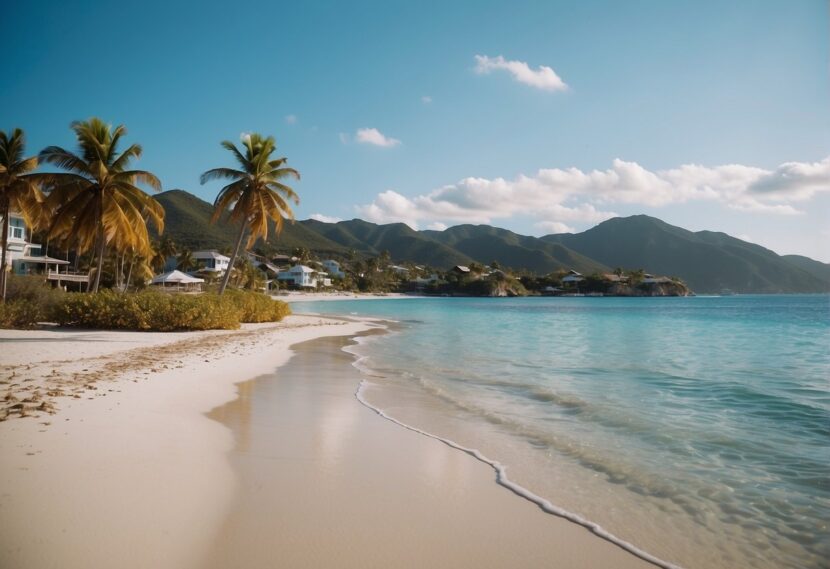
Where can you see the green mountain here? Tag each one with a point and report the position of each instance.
(816, 268)
(187, 223)
(485, 244)
(707, 261)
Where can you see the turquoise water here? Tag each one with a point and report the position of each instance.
(696, 428)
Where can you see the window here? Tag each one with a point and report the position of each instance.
(17, 229)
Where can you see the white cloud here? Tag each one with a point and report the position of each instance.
(543, 77)
(796, 181)
(375, 137)
(344, 138)
(557, 198)
(291, 119)
(245, 137)
(324, 218)
(426, 99)
(437, 226)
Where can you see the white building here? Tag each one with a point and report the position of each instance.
(572, 278)
(333, 268)
(177, 280)
(299, 275)
(211, 261)
(22, 256)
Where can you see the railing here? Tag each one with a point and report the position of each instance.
(67, 276)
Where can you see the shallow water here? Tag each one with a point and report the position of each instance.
(696, 428)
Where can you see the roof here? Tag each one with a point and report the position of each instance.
(210, 255)
(271, 267)
(301, 269)
(176, 277)
(44, 259)
(461, 268)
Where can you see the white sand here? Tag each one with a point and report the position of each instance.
(132, 473)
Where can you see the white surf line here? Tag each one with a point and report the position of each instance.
(503, 480)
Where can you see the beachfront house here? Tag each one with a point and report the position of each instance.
(300, 276)
(333, 268)
(572, 279)
(211, 261)
(25, 258)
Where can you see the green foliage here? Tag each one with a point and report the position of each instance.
(20, 314)
(256, 307)
(29, 301)
(157, 311)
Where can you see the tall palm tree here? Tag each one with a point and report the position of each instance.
(185, 261)
(19, 191)
(255, 193)
(96, 201)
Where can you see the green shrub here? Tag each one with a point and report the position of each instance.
(29, 300)
(148, 310)
(20, 314)
(258, 307)
(157, 311)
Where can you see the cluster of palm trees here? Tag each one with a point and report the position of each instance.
(94, 202)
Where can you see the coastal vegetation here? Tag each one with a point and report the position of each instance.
(93, 208)
(31, 302)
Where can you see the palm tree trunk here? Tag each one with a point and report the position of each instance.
(232, 262)
(5, 240)
(100, 255)
(129, 275)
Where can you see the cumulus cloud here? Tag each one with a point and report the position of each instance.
(557, 198)
(375, 137)
(543, 77)
(324, 218)
(291, 119)
(797, 181)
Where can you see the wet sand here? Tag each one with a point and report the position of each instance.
(323, 481)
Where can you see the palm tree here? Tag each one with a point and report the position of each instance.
(185, 260)
(97, 202)
(162, 251)
(18, 191)
(255, 193)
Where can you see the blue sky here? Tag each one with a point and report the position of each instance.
(709, 115)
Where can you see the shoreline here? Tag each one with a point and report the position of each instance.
(129, 444)
(353, 489)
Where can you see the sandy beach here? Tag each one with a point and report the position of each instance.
(147, 453)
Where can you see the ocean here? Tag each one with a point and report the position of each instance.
(696, 429)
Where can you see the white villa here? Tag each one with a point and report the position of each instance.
(333, 268)
(24, 257)
(572, 278)
(304, 277)
(211, 261)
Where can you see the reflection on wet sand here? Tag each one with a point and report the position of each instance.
(325, 482)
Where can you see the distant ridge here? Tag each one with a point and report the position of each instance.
(707, 261)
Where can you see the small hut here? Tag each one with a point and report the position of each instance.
(178, 281)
